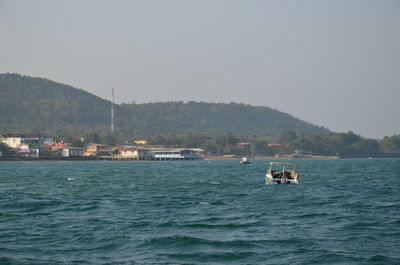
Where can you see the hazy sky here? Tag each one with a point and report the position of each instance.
(332, 63)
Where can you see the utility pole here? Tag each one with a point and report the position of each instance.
(112, 112)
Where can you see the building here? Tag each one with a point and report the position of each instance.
(245, 148)
(178, 153)
(91, 149)
(134, 153)
(26, 145)
(18, 141)
(274, 145)
(140, 142)
(100, 150)
(72, 152)
(138, 153)
(53, 149)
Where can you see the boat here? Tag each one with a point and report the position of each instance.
(282, 173)
(245, 160)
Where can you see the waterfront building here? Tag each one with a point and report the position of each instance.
(135, 153)
(140, 142)
(24, 141)
(91, 149)
(178, 153)
(72, 152)
(100, 150)
(25, 144)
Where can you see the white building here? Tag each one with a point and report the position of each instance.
(20, 141)
(136, 154)
(25, 145)
(178, 153)
(72, 152)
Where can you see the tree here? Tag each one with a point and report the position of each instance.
(92, 138)
(367, 147)
(77, 142)
(311, 142)
(158, 140)
(287, 136)
(351, 138)
(109, 140)
(261, 147)
(210, 146)
(390, 144)
(6, 150)
(225, 142)
(193, 139)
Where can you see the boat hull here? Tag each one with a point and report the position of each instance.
(270, 180)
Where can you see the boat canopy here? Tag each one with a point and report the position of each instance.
(282, 164)
(271, 164)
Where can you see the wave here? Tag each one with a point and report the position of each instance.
(211, 256)
(218, 202)
(190, 241)
(205, 182)
(32, 206)
(210, 226)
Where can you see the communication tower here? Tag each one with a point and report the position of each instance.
(112, 112)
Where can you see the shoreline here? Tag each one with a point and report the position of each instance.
(46, 158)
(271, 157)
(17, 159)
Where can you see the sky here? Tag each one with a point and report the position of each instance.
(331, 63)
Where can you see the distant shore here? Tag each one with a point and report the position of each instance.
(271, 157)
(92, 158)
(50, 158)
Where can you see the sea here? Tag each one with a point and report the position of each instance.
(344, 211)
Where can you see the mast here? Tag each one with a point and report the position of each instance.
(112, 112)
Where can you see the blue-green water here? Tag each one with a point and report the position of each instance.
(201, 212)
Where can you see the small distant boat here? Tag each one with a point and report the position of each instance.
(282, 173)
(245, 160)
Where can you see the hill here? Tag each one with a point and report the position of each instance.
(215, 118)
(38, 105)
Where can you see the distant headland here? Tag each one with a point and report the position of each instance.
(36, 106)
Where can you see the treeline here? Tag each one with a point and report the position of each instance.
(91, 138)
(342, 144)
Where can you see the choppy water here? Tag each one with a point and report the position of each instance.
(202, 212)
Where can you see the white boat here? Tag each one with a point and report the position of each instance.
(282, 173)
(245, 160)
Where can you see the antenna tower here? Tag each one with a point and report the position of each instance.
(112, 111)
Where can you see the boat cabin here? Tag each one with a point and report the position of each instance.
(282, 173)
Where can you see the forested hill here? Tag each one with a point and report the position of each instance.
(40, 105)
(215, 118)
